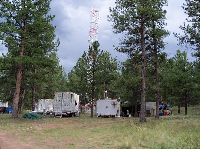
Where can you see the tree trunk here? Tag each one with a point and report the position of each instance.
(33, 98)
(135, 114)
(186, 108)
(17, 92)
(157, 75)
(142, 109)
(33, 94)
(179, 109)
(19, 76)
(22, 102)
(157, 106)
(132, 110)
(186, 102)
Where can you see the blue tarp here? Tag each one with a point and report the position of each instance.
(10, 109)
(161, 106)
(6, 111)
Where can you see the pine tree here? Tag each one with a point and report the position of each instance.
(158, 33)
(178, 81)
(191, 29)
(131, 80)
(134, 20)
(94, 73)
(28, 35)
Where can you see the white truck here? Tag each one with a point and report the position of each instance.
(108, 108)
(66, 103)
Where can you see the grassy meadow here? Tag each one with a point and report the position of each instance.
(169, 132)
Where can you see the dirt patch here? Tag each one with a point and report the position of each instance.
(8, 141)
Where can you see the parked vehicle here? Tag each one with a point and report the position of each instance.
(44, 105)
(66, 103)
(108, 108)
(3, 107)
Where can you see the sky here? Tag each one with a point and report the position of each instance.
(72, 23)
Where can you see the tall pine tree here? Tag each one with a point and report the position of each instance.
(28, 35)
(191, 29)
(134, 20)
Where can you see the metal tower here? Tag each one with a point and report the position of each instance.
(94, 18)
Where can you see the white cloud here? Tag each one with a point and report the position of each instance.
(175, 18)
(73, 23)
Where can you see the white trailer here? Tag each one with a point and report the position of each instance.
(107, 108)
(44, 105)
(66, 103)
(3, 104)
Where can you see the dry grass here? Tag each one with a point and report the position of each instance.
(177, 131)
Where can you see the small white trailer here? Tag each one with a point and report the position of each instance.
(3, 104)
(44, 105)
(66, 103)
(108, 108)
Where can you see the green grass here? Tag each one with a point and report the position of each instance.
(170, 132)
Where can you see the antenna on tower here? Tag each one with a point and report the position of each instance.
(94, 18)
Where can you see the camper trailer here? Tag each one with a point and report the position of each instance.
(3, 107)
(106, 108)
(66, 103)
(44, 105)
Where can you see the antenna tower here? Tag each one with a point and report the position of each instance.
(94, 18)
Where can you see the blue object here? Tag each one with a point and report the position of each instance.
(162, 106)
(10, 110)
(160, 114)
(6, 111)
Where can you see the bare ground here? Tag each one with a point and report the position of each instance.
(8, 141)
(12, 139)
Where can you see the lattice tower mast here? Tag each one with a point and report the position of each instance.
(94, 19)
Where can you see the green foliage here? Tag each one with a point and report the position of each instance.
(91, 72)
(131, 80)
(178, 80)
(28, 34)
(191, 29)
(127, 16)
(142, 24)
